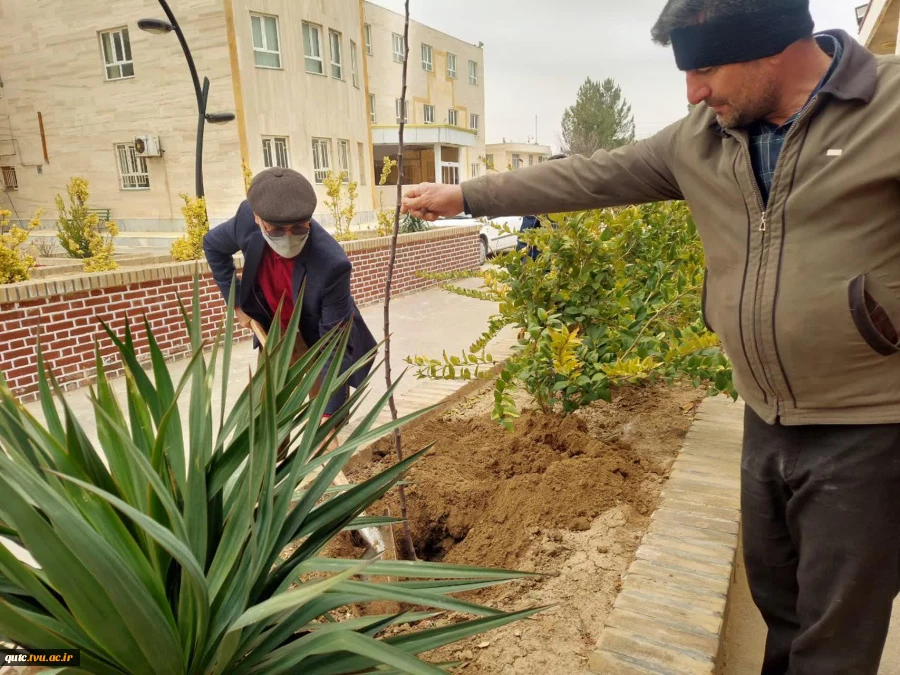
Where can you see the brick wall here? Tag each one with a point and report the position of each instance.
(66, 312)
(370, 263)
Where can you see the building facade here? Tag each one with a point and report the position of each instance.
(78, 85)
(879, 26)
(503, 157)
(444, 133)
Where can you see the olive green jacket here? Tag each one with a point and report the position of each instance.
(804, 293)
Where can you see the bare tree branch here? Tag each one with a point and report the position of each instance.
(410, 552)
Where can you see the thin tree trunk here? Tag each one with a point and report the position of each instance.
(410, 552)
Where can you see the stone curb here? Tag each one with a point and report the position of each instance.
(669, 617)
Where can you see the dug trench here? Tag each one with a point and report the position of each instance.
(566, 497)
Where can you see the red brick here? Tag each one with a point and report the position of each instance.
(20, 373)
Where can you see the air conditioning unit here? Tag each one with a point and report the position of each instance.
(147, 146)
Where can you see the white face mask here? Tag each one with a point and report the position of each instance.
(287, 245)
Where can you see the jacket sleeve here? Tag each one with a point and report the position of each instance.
(220, 244)
(337, 308)
(633, 174)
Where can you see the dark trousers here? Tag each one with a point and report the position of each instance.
(821, 532)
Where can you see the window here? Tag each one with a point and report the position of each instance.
(402, 110)
(399, 48)
(453, 117)
(427, 58)
(429, 114)
(372, 108)
(473, 122)
(354, 70)
(517, 162)
(367, 29)
(473, 72)
(362, 163)
(451, 65)
(117, 54)
(337, 56)
(489, 161)
(530, 160)
(133, 173)
(344, 158)
(321, 161)
(275, 152)
(475, 170)
(312, 49)
(450, 174)
(10, 180)
(266, 50)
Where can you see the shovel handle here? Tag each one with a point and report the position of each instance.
(258, 331)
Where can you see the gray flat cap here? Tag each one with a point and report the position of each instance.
(282, 197)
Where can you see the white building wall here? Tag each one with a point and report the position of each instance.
(51, 62)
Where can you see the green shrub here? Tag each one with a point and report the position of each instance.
(614, 297)
(195, 550)
(412, 224)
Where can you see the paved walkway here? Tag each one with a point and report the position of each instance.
(423, 323)
(746, 633)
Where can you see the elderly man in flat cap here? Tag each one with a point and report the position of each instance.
(283, 247)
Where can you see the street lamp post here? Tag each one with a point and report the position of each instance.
(159, 27)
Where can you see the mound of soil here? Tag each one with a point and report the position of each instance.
(567, 497)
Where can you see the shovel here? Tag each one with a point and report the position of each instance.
(375, 537)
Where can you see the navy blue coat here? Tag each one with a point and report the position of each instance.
(322, 263)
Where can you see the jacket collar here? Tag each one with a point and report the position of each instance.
(854, 79)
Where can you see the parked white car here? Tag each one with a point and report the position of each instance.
(494, 239)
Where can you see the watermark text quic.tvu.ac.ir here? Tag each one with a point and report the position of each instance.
(40, 657)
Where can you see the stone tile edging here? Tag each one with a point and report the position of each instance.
(669, 617)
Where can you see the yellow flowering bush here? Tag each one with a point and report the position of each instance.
(385, 216)
(248, 175)
(342, 209)
(15, 263)
(81, 232)
(190, 246)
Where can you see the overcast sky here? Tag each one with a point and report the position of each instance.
(538, 52)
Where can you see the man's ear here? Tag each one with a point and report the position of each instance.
(257, 220)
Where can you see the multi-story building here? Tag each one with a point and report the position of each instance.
(505, 156)
(444, 105)
(879, 26)
(79, 83)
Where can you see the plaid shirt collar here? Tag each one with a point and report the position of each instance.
(767, 139)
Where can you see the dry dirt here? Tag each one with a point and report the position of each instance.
(569, 498)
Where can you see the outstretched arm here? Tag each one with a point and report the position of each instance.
(633, 174)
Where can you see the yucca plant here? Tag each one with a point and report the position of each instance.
(182, 545)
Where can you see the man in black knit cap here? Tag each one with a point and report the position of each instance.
(792, 172)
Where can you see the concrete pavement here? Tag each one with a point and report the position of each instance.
(424, 323)
(745, 635)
